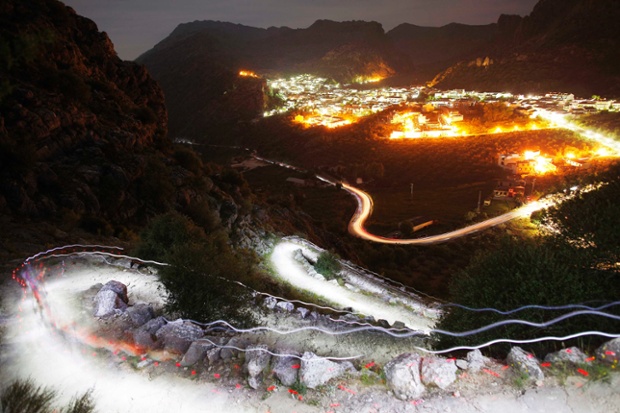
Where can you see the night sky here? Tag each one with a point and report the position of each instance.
(137, 25)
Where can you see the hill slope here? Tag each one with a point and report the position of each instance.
(562, 45)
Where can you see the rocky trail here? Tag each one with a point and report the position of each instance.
(64, 346)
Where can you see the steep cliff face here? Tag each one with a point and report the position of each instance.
(76, 122)
(563, 45)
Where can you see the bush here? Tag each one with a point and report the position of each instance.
(203, 268)
(328, 265)
(188, 159)
(145, 115)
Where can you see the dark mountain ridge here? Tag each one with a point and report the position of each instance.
(562, 45)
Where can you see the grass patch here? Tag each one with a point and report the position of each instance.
(24, 396)
(300, 388)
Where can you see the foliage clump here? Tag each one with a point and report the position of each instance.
(202, 272)
(24, 396)
(328, 265)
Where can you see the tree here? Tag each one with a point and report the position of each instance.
(590, 220)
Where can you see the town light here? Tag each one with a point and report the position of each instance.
(247, 73)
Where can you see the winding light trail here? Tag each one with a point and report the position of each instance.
(365, 207)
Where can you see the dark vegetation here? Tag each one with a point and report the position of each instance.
(203, 268)
(576, 264)
(24, 396)
(328, 265)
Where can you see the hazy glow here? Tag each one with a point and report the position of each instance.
(73, 360)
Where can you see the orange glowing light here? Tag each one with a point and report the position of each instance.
(603, 152)
(247, 73)
(369, 79)
(570, 155)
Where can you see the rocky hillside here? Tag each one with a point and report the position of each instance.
(83, 139)
(562, 45)
(76, 122)
(198, 64)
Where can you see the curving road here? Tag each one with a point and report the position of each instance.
(365, 206)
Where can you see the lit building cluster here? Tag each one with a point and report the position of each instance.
(563, 102)
(329, 104)
(528, 163)
(322, 102)
(431, 125)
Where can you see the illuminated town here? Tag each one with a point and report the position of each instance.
(322, 102)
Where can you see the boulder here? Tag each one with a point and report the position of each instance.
(609, 353)
(571, 355)
(402, 376)
(213, 354)
(399, 325)
(303, 312)
(256, 361)
(196, 352)
(316, 371)
(232, 348)
(476, 361)
(118, 287)
(286, 368)
(140, 314)
(145, 336)
(285, 306)
(462, 364)
(438, 372)
(383, 323)
(525, 363)
(178, 335)
(108, 303)
(270, 303)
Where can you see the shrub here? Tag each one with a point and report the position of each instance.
(328, 265)
(145, 115)
(188, 159)
(203, 268)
